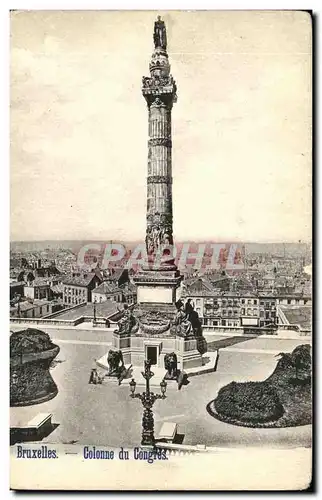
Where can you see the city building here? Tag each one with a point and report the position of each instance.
(37, 308)
(107, 291)
(39, 288)
(129, 293)
(16, 289)
(230, 308)
(78, 289)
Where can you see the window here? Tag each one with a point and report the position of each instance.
(289, 301)
(243, 311)
(229, 312)
(249, 312)
(224, 312)
(255, 302)
(249, 302)
(243, 301)
(235, 312)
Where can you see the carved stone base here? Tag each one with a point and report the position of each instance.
(137, 348)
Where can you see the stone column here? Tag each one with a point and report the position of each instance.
(159, 181)
(159, 90)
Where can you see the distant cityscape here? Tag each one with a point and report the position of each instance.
(160, 346)
(272, 291)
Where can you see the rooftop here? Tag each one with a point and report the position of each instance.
(298, 315)
(82, 280)
(106, 287)
(103, 309)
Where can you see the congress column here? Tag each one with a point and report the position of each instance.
(159, 91)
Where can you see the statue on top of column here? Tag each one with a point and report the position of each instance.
(160, 34)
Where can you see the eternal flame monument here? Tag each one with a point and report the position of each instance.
(158, 328)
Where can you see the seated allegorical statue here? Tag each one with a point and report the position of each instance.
(183, 325)
(127, 323)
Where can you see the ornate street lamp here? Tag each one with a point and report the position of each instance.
(148, 398)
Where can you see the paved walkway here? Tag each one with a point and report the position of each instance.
(107, 415)
(80, 342)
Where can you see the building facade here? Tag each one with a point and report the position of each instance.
(228, 308)
(78, 289)
(107, 291)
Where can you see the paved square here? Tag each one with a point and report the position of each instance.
(106, 415)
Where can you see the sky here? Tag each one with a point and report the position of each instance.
(241, 126)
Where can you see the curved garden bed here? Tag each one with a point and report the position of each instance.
(282, 400)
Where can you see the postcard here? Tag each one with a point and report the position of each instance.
(161, 250)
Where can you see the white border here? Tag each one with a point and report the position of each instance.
(7, 5)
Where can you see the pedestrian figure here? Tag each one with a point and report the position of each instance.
(182, 379)
(93, 379)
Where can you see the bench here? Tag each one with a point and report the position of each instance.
(40, 424)
(168, 432)
(36, 428)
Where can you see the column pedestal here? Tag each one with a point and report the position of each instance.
(158, 286)
(187, 353)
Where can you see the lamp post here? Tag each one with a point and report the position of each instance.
(94, 312)
(147, 399)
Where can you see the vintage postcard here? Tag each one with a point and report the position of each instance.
(160, 257)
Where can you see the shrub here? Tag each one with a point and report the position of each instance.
(249, 402)
(298, 363)
(302, 360)
(29, 341)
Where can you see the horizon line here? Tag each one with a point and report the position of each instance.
(199, 240)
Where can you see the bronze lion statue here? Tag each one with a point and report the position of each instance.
(171, 365)
(115, 363)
